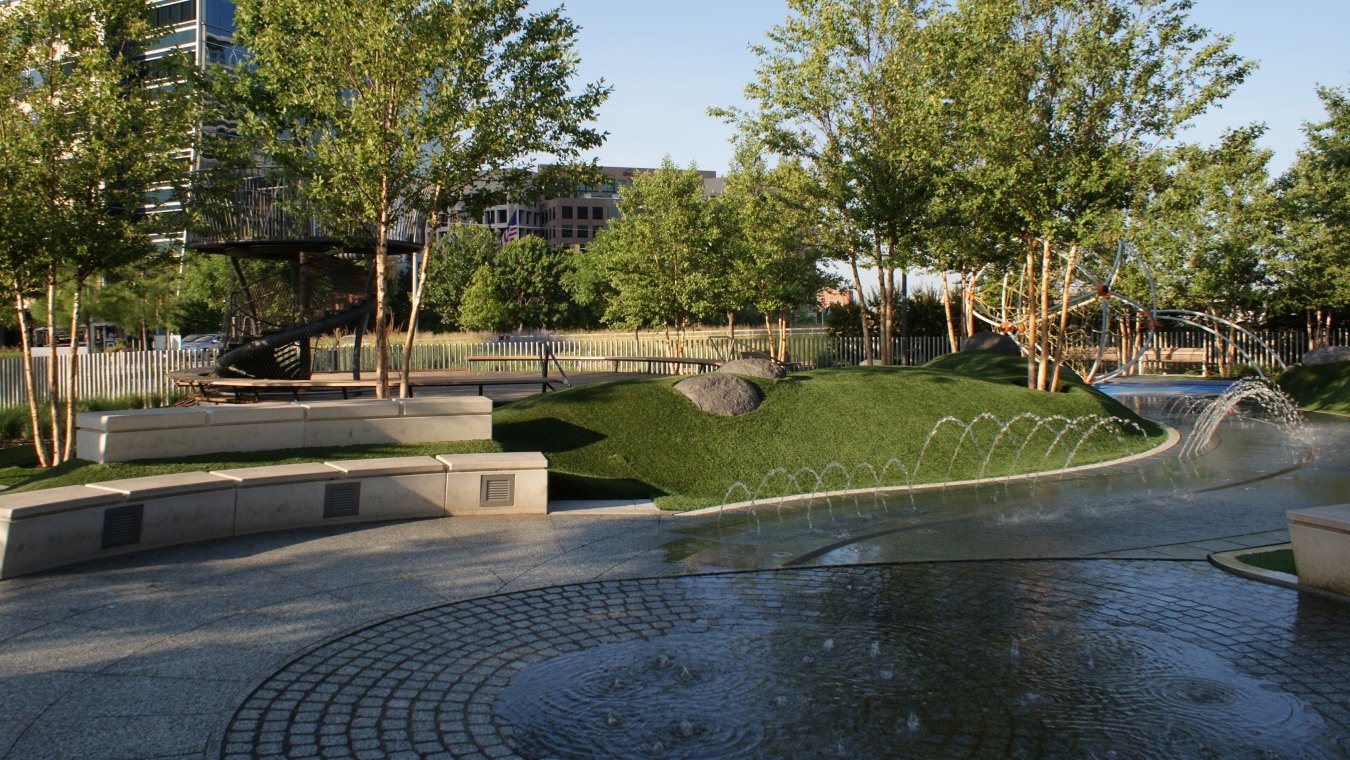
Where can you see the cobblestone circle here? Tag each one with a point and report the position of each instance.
(1102, 658)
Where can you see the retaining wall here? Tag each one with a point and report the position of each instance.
(44, 529)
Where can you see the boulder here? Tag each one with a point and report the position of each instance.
(723, 395)
(871, 363)
(991, 341)
(764, 368)
(1326, 355)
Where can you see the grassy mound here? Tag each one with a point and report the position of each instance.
(641, 438)
(1319, 387)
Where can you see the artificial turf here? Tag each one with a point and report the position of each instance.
(856, 426)
(641, 438)
(1319, 387)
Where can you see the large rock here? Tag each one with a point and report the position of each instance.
(991, 341)
(723, 395)
(1326, 355)
(753, 368)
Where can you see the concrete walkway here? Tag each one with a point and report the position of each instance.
(153, 655)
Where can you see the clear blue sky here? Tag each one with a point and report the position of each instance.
(669, 60)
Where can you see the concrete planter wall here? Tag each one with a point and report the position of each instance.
(40, 530)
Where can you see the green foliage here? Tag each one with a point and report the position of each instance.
(663, 256)
(1277, 560)
(1315, 275)
(387, 108)
(1213, 227)
(457, 255)
(621, 438)
(1319, 387)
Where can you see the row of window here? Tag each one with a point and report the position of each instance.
(584, 212)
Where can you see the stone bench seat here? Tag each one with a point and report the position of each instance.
(51, 528)
(134, 434)
(1321, 538)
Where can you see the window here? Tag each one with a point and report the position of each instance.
(597, 212)
(613, 212)
(567, 230)
(168, 15)
(501, 216)
(220, 13)
(582, 230)
(567, 214)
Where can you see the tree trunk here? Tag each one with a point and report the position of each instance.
(782, 336)
(1043, 371)
(1031, 314)
(419, 274)
(53, 378)
(382, 295)
(904, 317)
(947, 309)
(68, 449)
(29, 381)
(862, 308)
(1063, 316)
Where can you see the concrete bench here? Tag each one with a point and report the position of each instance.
(1321, 538)
(132, 434)
(51, 528)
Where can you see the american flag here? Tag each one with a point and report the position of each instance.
(512, 230)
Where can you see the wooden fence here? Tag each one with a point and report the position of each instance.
(116, 374)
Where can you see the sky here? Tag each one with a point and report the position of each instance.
(669, 61)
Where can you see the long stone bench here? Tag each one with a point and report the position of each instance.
(1321, 538)
(132, 434)
(51, 528)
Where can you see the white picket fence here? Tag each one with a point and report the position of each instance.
(117, 374)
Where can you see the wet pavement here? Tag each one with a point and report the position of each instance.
(1072, 616)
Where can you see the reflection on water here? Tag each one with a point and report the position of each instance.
(902, 661)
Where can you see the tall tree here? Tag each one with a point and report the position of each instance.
(856, 90)
(1062, 101)
(1315, 276)
(94, 136)
(776, 240)
(457, 255)
(664, 255)
(521, 287)
(388, 108)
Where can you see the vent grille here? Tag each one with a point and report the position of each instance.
(341, 500)
(497, 491)
(122, 526)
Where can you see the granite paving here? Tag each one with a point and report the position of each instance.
(1071, 617)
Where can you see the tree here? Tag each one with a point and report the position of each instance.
(663, 256)
(1062, 102)
(857, 91)
(456, 257)
(1315, 275)
(521, 287)
(93, 134)
(776, 242)
(1215, 220)
(389, 108)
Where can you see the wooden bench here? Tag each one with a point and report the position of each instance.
(703, 365)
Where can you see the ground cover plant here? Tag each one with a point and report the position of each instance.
(1319, 387)
(1278, 560)
(641, 438)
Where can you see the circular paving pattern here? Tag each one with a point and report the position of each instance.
(988, 659)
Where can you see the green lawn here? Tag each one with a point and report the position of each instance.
(1320, 387)
(641, 438)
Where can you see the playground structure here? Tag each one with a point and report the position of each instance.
(1119, 329)
(296, 280)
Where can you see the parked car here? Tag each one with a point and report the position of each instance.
(203, 342)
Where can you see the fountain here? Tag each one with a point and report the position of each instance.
(1245, 396)
(984, 440)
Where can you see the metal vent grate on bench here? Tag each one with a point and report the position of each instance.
(497, 491)
(342, 500)
(122, 526)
